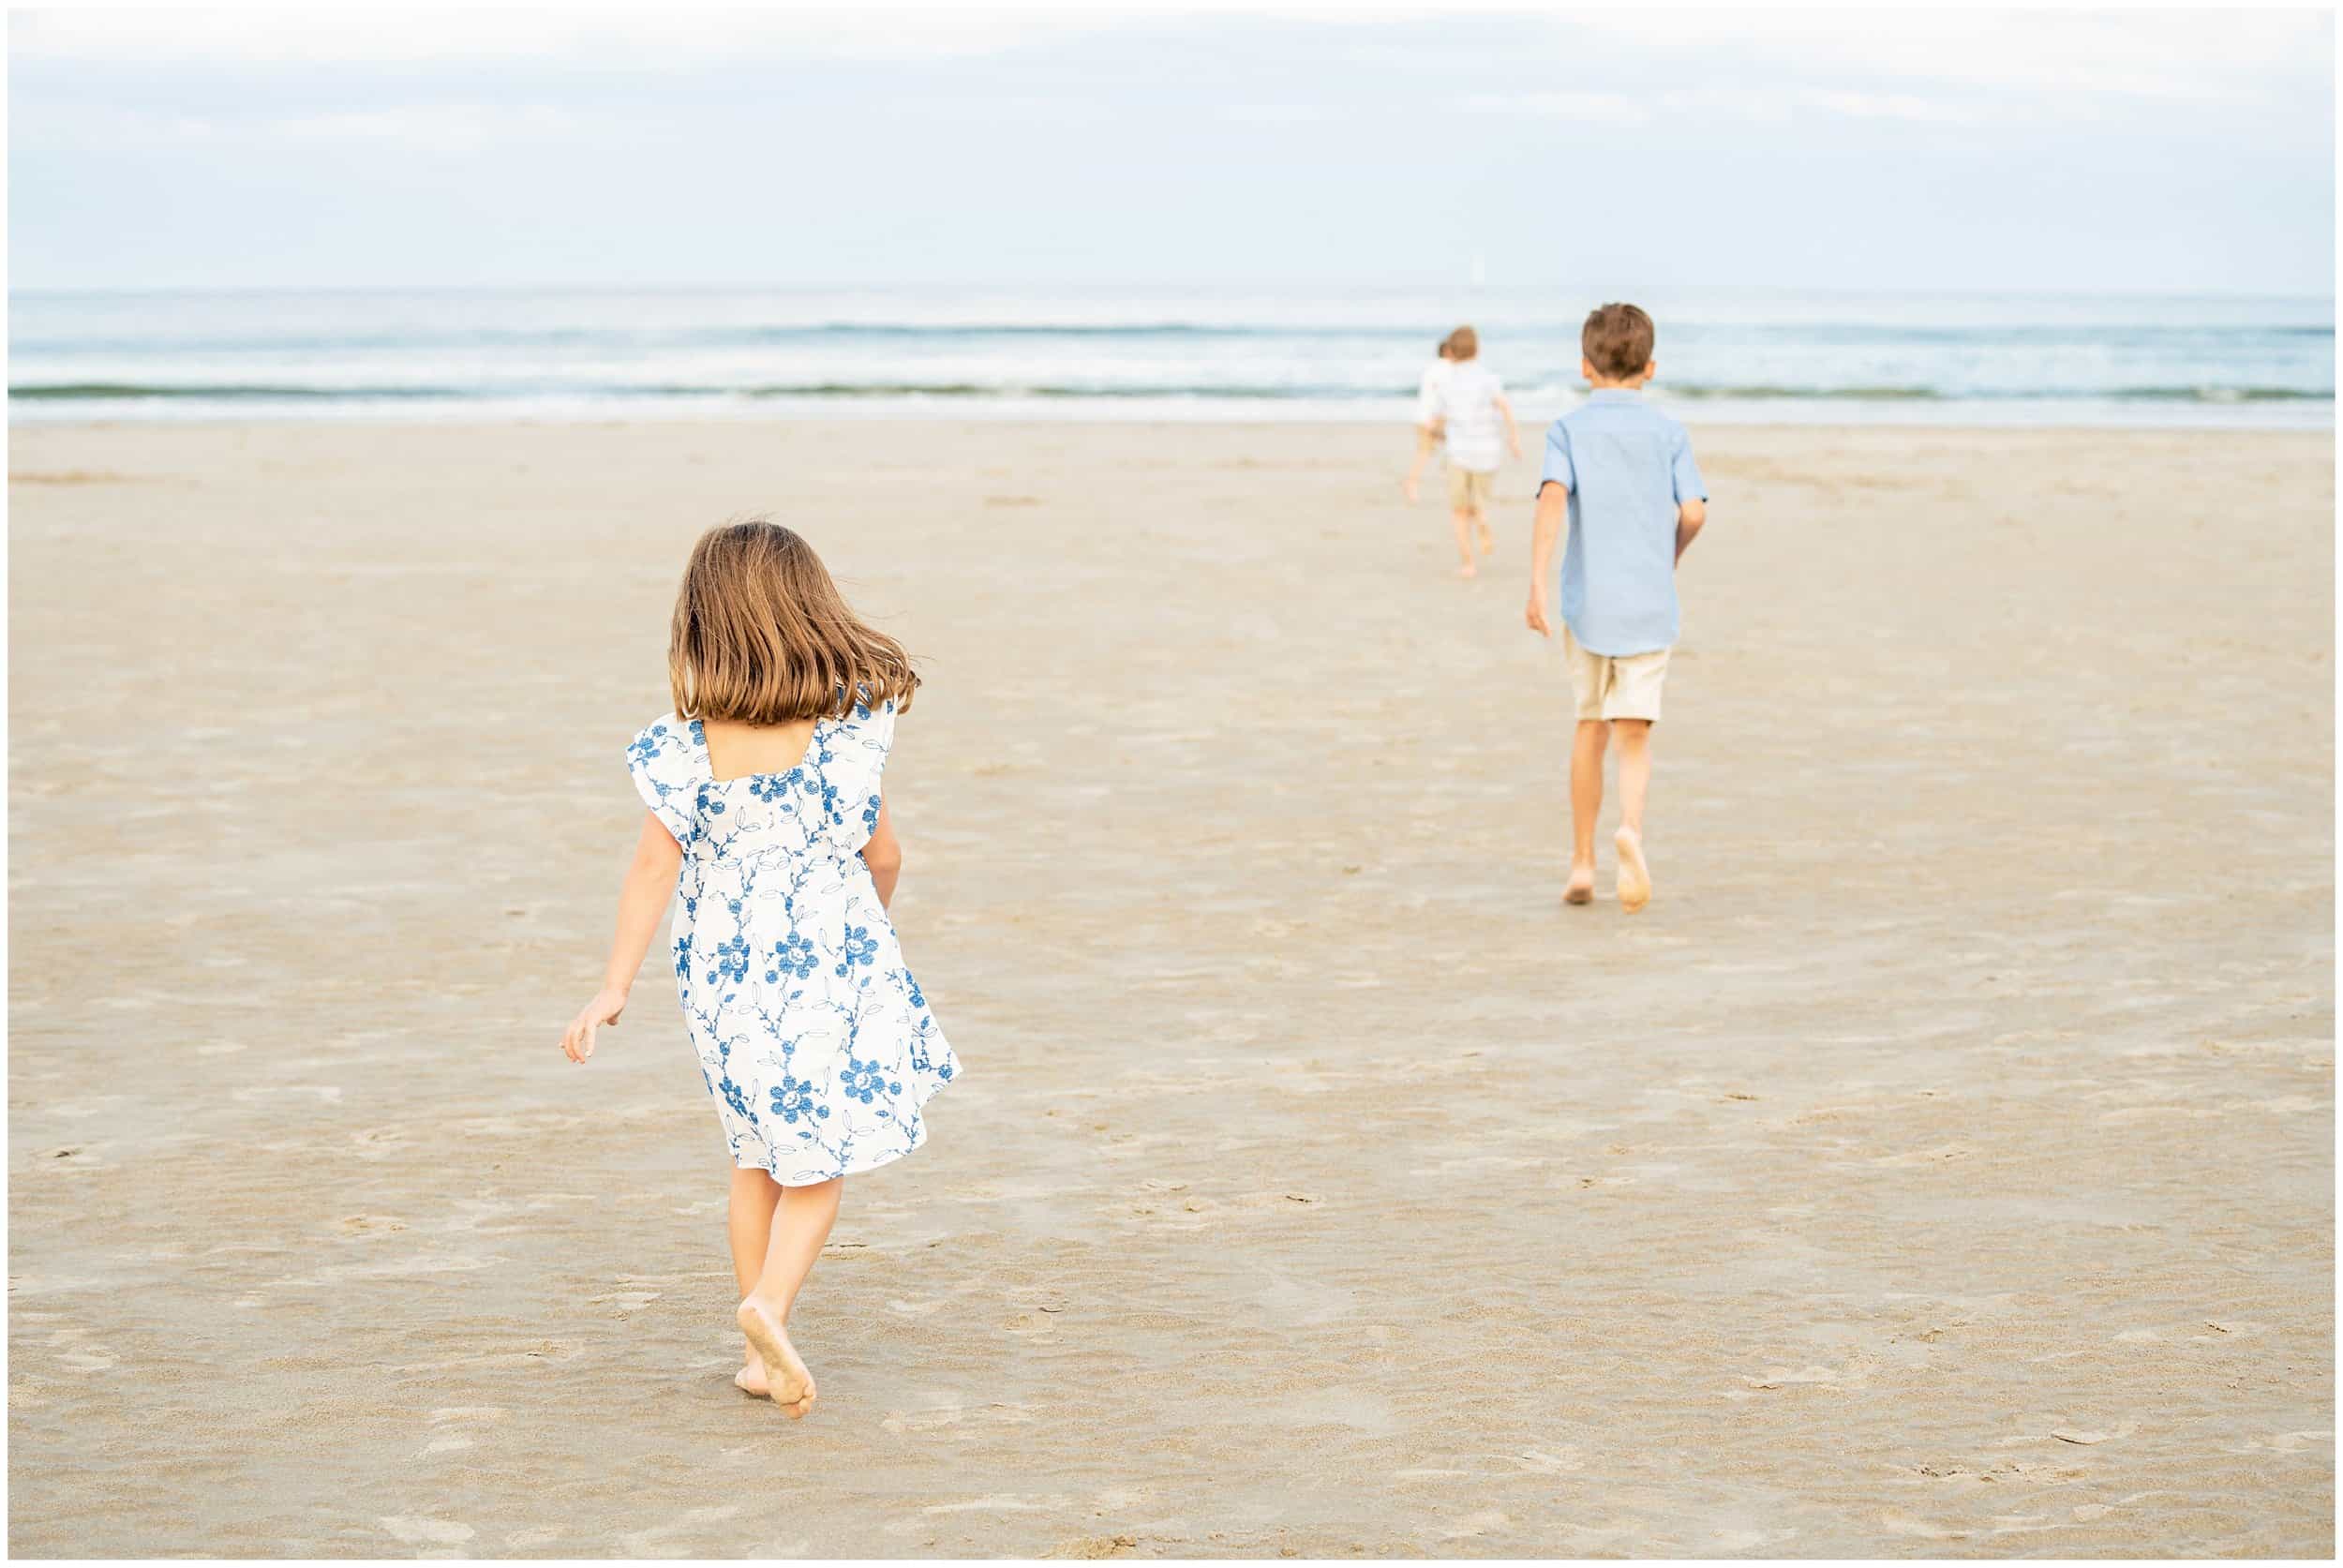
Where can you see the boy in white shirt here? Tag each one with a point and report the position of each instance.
(1467, 405)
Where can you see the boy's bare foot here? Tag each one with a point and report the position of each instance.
(1634, 877)
(791, 1387)
(1467, 570)
(1580, 888)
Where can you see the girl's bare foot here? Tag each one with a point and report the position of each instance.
(750, 1378)
(1634, 877)
(790, 1386)
(1580, 888)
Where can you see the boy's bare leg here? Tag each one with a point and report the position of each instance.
(1488, 540)
(802, 1224)
(1462, 520)
(1585, 804)
(1635, 779)
(749, 1226)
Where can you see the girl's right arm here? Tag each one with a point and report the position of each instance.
(644, 897)
(883, 856)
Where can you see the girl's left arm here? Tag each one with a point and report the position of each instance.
(644, 897)
(884, 855)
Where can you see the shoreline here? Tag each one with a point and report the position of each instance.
(1396, 419)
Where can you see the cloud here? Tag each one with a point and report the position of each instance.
(2158, 54)
(1277, 113)
(416, 127)
(660, 38)
(1614, 107)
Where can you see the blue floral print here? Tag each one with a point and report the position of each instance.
(793, 1100)
(863, 1080)
(736, 1097)
(732, 961)
(857, 947)
(816, 1042)
(793, 955)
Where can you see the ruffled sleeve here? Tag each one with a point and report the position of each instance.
(664, 758)
(863, 738)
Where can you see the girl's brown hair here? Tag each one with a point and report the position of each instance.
(763, 637)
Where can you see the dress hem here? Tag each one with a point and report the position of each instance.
(863, 1167)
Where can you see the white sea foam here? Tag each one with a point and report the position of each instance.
(1152, 353)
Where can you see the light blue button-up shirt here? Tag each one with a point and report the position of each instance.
(1628, 467)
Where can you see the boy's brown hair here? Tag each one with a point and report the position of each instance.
(1463, 344)
(761, 635)
(1617, 341)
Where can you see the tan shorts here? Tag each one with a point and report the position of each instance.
(1468, 491)
(1622, 688)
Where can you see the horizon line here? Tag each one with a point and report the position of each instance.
(2141, 292)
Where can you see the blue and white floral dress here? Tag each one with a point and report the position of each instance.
(811, 1036)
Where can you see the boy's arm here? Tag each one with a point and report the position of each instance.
(1553, 506)
(1689, 516)
(1691, 494)
(1512, 431)
(642, 897)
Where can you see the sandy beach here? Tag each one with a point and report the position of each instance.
(1941, 1166)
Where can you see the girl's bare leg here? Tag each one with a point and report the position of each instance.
(800, 1225)
(749, 1226)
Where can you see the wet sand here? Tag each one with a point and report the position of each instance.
(1941, 1166)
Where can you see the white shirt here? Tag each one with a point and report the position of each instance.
(1465, 393)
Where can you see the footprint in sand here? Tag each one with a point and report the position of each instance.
(65, 1342)
(1481, 1523)
(450, 1438)
(625, 1301)
(1091, 1547)
(2088, 1437)
(2228, 1329)
(1937, 1156)
(1782, 1376)
(369, 1224)
(417, 1532)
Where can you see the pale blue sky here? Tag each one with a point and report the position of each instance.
(1875, 150)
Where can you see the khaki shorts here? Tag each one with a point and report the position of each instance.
(1622, 688)
(1468, 491)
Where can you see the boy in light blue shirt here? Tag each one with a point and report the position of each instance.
(1623, 474)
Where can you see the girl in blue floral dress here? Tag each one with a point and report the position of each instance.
(765, 813)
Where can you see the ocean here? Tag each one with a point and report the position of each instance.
(1224, 353)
